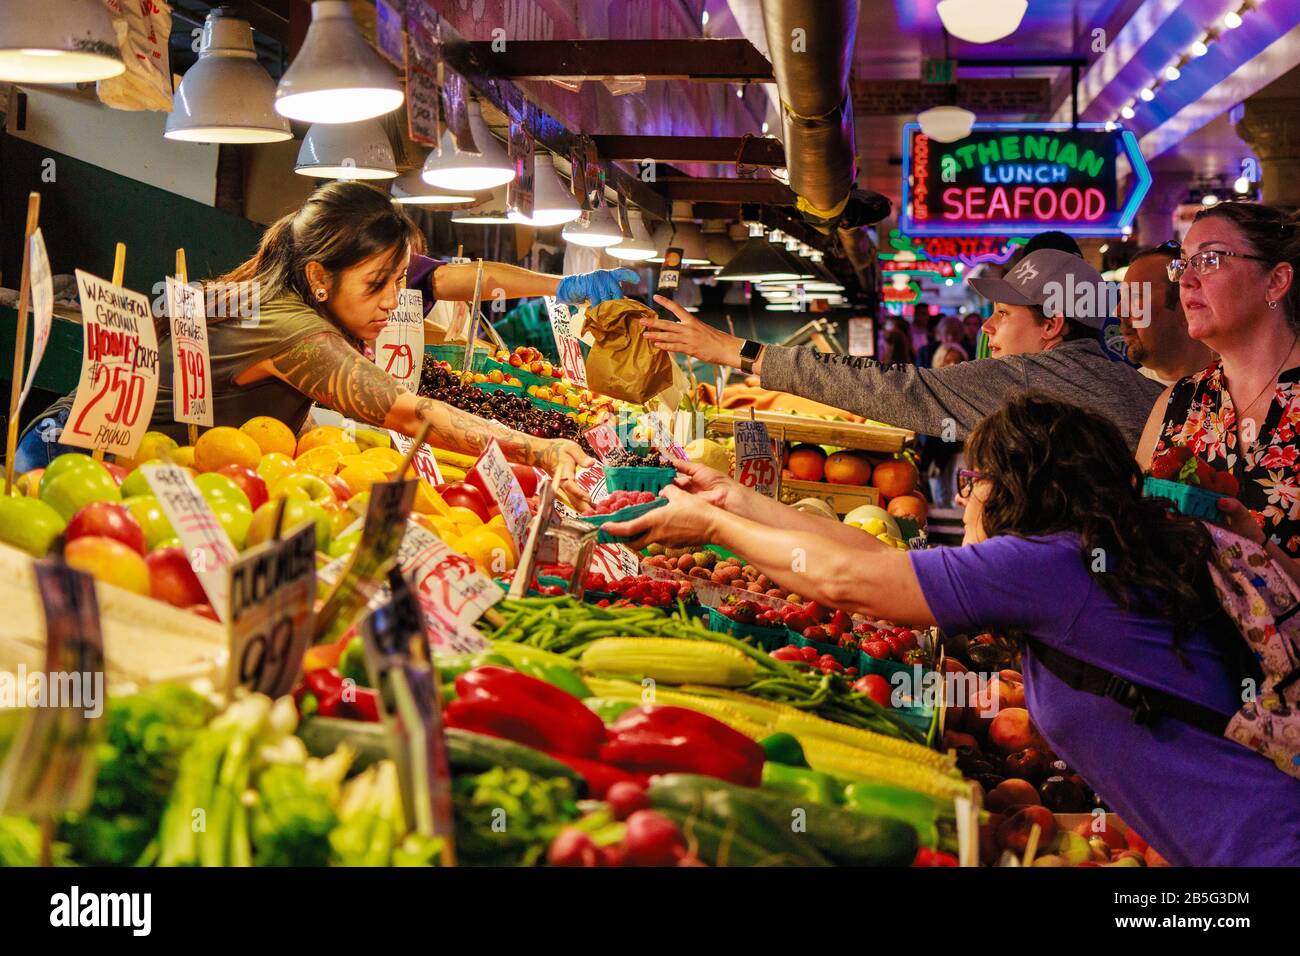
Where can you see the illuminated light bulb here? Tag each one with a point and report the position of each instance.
(1199, 48)
(982, 21)
(765, 127)
(1232, 20)
(946, 124)
(1241, 186)
(1147, 94)
(1173, 73)
(1127, 112)
(1209, 199)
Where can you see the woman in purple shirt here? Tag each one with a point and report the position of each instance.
(1060, 548)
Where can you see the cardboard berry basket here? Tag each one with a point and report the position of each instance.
(1191, 500)
(623, 514)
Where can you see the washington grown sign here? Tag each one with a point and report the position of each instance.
(1020, 179)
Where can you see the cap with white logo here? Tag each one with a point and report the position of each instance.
(1054, 280)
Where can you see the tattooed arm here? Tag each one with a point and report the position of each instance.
(334, 374)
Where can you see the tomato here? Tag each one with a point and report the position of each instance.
(461, 494)
(875, 687)
(527, 476)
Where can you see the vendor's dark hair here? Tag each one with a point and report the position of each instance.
(1054, 467)
(340, 224)
(1272, 233)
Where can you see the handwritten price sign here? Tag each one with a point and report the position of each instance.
(272, 612)
(202, 535)
(566, 343)
(399, 348)
(505, 490)
(662, 437)
(451, 591)
(592, 480)
(424, 462)
(119, 369)
(604, 440)
(191, 363)
(615, 561)
(755, 463)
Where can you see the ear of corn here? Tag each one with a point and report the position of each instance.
(803, 725)
(670, 661)
(841, 760)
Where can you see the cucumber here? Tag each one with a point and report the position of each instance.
(845, 837)
(466, 752)
(718, 846)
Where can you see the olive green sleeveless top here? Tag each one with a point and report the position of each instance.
(236, 344)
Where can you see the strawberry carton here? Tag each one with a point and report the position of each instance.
(1189, 482)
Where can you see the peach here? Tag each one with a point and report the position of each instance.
(1011, 730)
(1012, 793)
(1014, 832)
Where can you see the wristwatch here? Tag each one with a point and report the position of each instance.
(749, 353)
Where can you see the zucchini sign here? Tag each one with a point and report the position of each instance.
(1019, 179)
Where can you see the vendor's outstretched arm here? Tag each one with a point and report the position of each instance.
(455, 282)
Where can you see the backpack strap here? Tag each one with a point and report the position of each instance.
(1145, 702)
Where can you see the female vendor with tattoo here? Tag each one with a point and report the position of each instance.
(326, 277)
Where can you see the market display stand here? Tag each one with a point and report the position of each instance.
(145, 641)
(868, 436)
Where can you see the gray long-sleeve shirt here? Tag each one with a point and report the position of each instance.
(948, 402)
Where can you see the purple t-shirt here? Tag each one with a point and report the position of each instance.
(1200, 800)
(419, 275)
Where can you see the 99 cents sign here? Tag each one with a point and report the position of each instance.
(191, 364)
(119, 369)
(755, 463)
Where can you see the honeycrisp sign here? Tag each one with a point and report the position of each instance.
(1021, 179)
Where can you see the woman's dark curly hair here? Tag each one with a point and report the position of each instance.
(1055, 467)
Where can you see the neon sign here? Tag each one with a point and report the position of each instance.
(1009, 178)
(968, 250)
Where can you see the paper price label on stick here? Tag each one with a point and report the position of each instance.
(566, 342)
(119, 369)
(42, 308)
(505, 490)
(202, 535)
(603, 440)
(399, 348)
(592, 480)
(615, 561)
(451, 590)
(755, 463)
(662, 438)
(425, 463)
(191, 362)
(272, 612)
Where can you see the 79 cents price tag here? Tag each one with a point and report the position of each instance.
(191, 363)
(399, 347)
(505, 490)
(119, 369)
(272, 612)
(202, 535)
(755, 463)
(566, 343)
(425, 462)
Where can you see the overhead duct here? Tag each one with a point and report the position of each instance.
(810, 43)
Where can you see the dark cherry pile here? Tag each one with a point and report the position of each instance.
(443, 384)
(622, 458)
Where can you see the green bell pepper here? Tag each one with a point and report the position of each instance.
(784, 748)
(607, 708)
(896, 803)
(801, 783)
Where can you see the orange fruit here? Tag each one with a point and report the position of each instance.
(895, 477)
(322, 460)
(360, 477)
(807, 462)
(271, 434)
(848, 468)
(318, 436)
(223, 445)
(910, 506)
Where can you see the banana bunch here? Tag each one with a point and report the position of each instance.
(453, 464)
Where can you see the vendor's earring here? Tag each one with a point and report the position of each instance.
(320, 294)
(1272, 304)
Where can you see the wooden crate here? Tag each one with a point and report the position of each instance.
(885, 439)
(841, 498)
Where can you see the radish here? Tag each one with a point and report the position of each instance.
(626, 797)
(652, 840)
(572, 847)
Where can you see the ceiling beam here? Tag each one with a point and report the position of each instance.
(745, 150)
(698, 60)
(770, 192)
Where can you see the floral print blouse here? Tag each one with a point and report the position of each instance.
(1201, 416)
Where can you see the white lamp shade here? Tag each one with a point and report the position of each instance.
(491, 210)
(411, 189)
(553, 204)
(59, 41)
(685, 236)
(946, 124)
(490, 167)
(982, 21)
(226, 97)
(596, 230)
(637, 247)
(347, 151)
(336, 77)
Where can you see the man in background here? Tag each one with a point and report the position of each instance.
(1161, 346)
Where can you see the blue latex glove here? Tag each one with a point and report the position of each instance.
(594, 287)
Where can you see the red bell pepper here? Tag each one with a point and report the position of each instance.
(651, 740)
(337, 698)
(599, 776)
(505, 703)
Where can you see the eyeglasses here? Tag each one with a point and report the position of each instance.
(1204, 262)
(966, 479)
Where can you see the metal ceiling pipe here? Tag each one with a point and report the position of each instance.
(810, 43)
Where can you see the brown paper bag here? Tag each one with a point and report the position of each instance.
(622, 363)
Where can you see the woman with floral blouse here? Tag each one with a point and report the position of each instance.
(1239, 289)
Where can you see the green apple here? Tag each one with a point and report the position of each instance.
(344, 545)
(135, 484)
(153, 521)
(341, 517)
(303, 487)
(167, 543)
(296, 511)
(29, 524)
(74, 487)
(1073, 848)
(217, 487)
(68, 461)
(235, 517)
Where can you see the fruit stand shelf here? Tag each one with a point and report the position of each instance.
(798, 428)
(841, 498)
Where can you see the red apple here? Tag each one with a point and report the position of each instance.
(1013, 834)
(461, 494)
(527, 476)
(341, 489)
(1011, 730)
(249, 482)
(107, 520)
(172, 578)
(117, 471)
